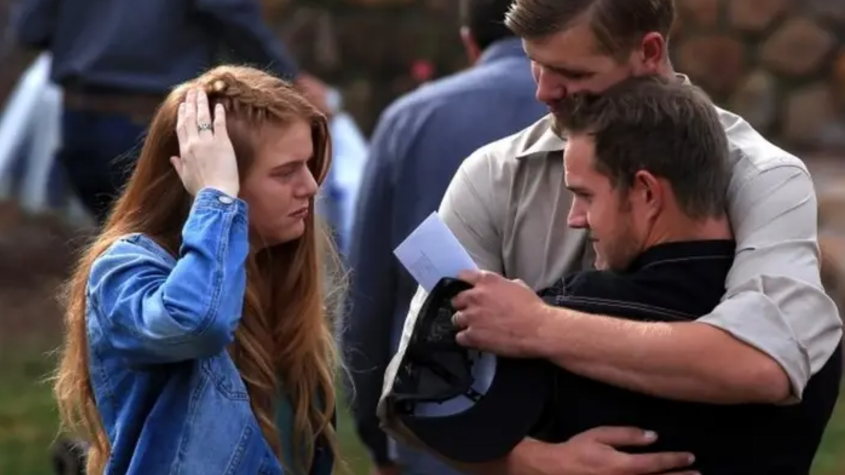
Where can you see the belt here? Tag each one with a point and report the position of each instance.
(139, 108)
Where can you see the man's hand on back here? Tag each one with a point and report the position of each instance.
(595, 452)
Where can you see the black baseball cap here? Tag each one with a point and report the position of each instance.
(466, 405)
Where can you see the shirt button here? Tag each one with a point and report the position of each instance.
(226, 200)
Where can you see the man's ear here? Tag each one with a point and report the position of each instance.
(652, 52)
(650, 192)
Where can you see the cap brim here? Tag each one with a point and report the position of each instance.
(490, 428)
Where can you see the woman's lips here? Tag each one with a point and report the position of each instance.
(300, 213)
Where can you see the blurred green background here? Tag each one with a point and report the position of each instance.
(28, 419)
(781, 64)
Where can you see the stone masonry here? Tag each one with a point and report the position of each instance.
(779, 63)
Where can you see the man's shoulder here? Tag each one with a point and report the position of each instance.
(751, 152)
(489, 172)
(604, 292)
(456, 90)
(507, 152)
(646, 295)
(591, 286)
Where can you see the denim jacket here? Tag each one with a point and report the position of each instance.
(170, 397)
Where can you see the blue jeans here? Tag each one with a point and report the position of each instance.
(98, 154)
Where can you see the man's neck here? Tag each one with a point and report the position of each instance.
(667, 70)
(691, 230)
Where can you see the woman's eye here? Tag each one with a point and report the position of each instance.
(285, 173)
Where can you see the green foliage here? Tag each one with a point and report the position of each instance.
(28, 420)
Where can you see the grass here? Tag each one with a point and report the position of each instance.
(830, 459)
(27, 413)
(28, 422)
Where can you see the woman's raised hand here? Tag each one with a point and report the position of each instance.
(207, 158)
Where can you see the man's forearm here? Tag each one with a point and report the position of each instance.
(523, 460)
(685, 360)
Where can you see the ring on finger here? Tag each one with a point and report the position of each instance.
(204, 126)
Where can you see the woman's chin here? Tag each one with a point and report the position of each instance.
(282, 235)
(291, 232)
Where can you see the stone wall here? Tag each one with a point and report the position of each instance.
(374, 50)
(780, 63)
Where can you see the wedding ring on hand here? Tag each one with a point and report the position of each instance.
(202, 127)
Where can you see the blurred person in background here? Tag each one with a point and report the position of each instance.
(116, 61)
(197, 338)
(338, 195)
(776, 326)
(419, 142)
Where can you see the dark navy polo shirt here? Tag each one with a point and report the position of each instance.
(674, 282)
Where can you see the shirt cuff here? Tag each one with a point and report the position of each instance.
(212, 198)
(755, 320)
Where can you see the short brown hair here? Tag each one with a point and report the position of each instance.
(665, 127)
(485, 20)
(616, 24)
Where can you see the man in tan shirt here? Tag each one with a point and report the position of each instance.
(507, 205)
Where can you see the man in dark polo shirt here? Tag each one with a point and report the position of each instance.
(647, 162)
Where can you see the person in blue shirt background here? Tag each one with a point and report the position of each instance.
(339, 193)
(418, 144)
(115, 61)
(197, 337)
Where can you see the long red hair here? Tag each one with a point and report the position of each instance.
(285, 337)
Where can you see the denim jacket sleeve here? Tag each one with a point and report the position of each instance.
(154, 309)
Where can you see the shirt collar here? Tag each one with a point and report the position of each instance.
(502, 49)
(551, 142)
(679, 251)
(547, 142)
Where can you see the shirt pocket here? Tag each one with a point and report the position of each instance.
(228, 447)
(270, 465)
(225, 377)
(252, 455)
(222, 435)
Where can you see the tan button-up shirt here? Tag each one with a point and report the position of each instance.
(507, 205)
